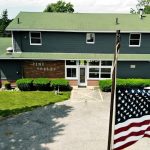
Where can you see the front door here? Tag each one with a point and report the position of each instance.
(82, 76)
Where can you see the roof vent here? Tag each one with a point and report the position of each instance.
(9, 50)
(117, 21)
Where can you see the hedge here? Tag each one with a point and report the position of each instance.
(105, 85)
(62, 84)
(41, 84)
(25, 84)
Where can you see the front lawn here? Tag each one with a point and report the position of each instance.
(15, 102)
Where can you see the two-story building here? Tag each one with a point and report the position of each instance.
(76, 46)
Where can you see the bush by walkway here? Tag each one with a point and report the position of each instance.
(105, 85)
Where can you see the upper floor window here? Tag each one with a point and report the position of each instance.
(90, 38)
(135, 40)
(35, 38)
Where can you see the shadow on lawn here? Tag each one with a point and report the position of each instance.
(28, 131)
(11, 112)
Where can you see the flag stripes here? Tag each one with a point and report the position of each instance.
(132, 117)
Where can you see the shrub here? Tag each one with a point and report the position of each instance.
(7, 85)
(41, 84)
(0, 84)
(25, 84)
(105, 85)
(62, 84)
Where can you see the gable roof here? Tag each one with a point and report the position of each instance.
(79, 22)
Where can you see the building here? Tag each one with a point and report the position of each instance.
(76, 46)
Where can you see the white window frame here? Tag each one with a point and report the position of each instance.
(100, 66)
(96, 67)
(109, 67)
(93, 38)
(134, 39)
(71, 66)
(38, 38)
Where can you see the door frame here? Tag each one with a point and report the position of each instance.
(82, 84)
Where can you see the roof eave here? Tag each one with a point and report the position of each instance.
(85, 31)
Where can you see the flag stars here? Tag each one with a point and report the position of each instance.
(122, 108)
(132, 104)
(119, 105)
(123, 101)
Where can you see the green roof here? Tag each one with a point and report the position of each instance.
(80, 22)
(5, 43)
(75, 56)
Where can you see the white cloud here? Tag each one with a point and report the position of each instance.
(15, 6)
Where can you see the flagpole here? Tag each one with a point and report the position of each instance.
(113, 90)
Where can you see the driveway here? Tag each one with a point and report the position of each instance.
(80, 123)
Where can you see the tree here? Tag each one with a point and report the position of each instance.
(147, 9)
(145, 4)
(60, 6)
(4, 21)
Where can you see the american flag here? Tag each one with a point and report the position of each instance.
(132, 119)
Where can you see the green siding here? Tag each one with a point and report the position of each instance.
(141, 70)
(61, 42)
(10, 70)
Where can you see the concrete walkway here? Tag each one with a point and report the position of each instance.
(80, 123)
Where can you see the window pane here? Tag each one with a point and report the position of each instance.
(94, 63)
(93, 75)
(135, 36)
(90, 37)
(105, 76)
(70, 62)
(105, 70)
(134, 42)
(106, 63)
(35, 35)
(71, 72)
(82, 62)
(35, 41)
(94, 70)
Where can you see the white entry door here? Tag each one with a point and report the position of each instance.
(82, 81)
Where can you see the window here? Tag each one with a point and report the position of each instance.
(135, 40)
(71, 69)
(71, 62)
(35, 38)
(90, 38)
(106, 63)
(93, 72)
(105, 72)
(71, 72)
(94, 63)
(99, 69)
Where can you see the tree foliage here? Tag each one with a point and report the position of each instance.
(144, 4)
(4, 21)
(147, 9)
(60, 6)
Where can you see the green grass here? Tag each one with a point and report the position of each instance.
(14, 102)
(5, 43)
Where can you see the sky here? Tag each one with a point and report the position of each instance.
(80, 6)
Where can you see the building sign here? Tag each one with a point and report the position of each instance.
(41, 66)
